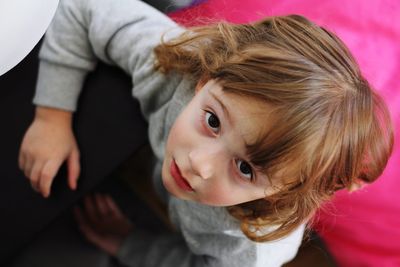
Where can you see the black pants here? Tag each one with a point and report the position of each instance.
(108, 127)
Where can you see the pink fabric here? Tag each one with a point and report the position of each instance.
(362, 228)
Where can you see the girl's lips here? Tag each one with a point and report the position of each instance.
(179, 180)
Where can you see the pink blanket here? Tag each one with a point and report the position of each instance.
(362, 228)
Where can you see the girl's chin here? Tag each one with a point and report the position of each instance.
(167, 187)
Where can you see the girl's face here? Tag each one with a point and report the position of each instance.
(205, 157)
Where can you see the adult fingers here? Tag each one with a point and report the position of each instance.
(80, 217)
(74, 169)
(91, 210)
(85, 227)
(47, 175)
(102, 206)
(112, 206)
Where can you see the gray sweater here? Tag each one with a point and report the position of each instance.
(123, 33)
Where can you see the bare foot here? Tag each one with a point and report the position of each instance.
(102, 223)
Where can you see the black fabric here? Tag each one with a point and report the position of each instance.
(108, 126)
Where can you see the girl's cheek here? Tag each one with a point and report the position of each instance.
(175, 135)
(219, 195)
(200, 124)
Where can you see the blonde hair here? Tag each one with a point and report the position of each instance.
(332, 129)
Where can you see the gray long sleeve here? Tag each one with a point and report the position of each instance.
(121, 33)
(124, 33)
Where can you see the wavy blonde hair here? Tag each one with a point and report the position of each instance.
(333, 130)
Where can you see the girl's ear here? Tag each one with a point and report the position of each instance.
(357, 185)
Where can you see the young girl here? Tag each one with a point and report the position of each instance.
(254, 126)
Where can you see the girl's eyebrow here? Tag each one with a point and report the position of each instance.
(230, 120)
(225, 110)
(227, 115)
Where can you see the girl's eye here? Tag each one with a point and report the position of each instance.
(212, 121)
(245, 169)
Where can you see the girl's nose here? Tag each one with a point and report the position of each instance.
(204, 161)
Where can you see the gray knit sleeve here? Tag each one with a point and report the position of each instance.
(83, 32)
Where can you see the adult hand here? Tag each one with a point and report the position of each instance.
(102, 223)
(48, 142)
